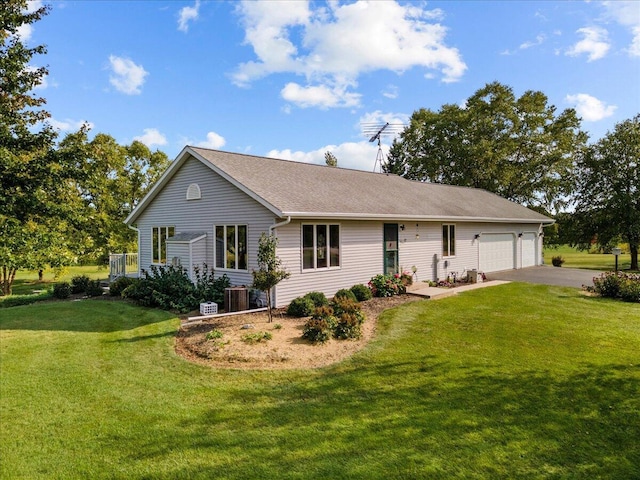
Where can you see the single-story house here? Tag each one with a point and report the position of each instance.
(336, 227)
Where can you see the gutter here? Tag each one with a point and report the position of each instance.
(281, 224)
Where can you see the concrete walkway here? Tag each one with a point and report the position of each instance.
(424, 290)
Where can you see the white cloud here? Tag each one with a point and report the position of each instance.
(151, 137)
(333, 45)
(590, 108)
(357, 155)
(628, 15)
(68, 125)
(213, 140)
(538, 41)
(186, 15)
(595, 43)
(127, 77)
(25, 31)
(321, 96)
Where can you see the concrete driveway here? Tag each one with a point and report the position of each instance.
(548, 275)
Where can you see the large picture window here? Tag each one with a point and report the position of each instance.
(231, 247)
(159, 237)
(320, 246)
(448, 240)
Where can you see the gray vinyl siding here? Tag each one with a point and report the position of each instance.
(361, 258)
(221, 203)
(362, 253)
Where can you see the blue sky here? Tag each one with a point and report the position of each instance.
(296, 79)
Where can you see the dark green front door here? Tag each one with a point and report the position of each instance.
(390, 248)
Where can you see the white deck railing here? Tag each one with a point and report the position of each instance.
(123, 265)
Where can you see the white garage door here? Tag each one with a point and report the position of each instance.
(528, 249)
(497, 252)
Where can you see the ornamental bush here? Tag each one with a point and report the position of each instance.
(345, 293)
(118, 285)
(94, 289)
(169, 288)
(300, 307)
(361, 292)
(625, 286)
(318, 299)
(62, 290)
(349, 318)
(386, 285)
(79, 283)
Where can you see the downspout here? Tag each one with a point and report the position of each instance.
(278, 225)
(271, 229)
(138, 232)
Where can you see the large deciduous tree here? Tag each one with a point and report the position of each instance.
(113, 179)
(33, 181)
(519, 148)
(607, 198)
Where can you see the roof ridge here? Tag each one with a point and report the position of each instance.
(297, 162)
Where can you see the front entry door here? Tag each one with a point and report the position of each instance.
(390, 248)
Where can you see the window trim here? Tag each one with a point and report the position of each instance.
(314, 248)
(449, 249)
(236, 228)
(168, 234)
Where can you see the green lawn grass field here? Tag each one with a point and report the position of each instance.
(514, 381)
(27, 282)
(582, 259)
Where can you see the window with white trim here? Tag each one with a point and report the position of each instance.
(159, 237)
(448, 240)
(231, 247)
(320, 246)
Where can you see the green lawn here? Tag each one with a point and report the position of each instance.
(515, 381)
(582, 259)
(26, 281)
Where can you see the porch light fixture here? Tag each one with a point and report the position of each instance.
(402, 227)
(476, 236)
(417, 234)
(520, 235)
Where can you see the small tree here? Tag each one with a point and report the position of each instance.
(270, 271)
(330, 159)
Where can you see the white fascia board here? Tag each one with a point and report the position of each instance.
(239, 185)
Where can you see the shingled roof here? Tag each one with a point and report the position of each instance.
(303, 190)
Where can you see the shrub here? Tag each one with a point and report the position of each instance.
(300, 307)
(214, 334)
(345, 293)
(94, 289)
(257, 337)
(207, 287)
(317, 330)
(361, 292)
(386, 285)
(62, 290)
(79, 283)
(607, 284)
(118, 285)
(630, 291)
(557, 261)
(318, 299)
(349, 318)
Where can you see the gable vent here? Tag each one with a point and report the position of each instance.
(193, 192)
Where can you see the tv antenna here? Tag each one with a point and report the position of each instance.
(376, 131)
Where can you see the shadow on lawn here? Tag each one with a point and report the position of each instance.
(423, 420)
(99, 316)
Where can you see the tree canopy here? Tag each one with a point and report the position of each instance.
(607, 195)
(519, 148)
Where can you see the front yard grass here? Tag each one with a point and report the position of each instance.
(514, 381)
(575, 258)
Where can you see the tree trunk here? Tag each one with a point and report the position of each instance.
(268, 293)
(40, 275)
(8, 276)
(634, 256)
